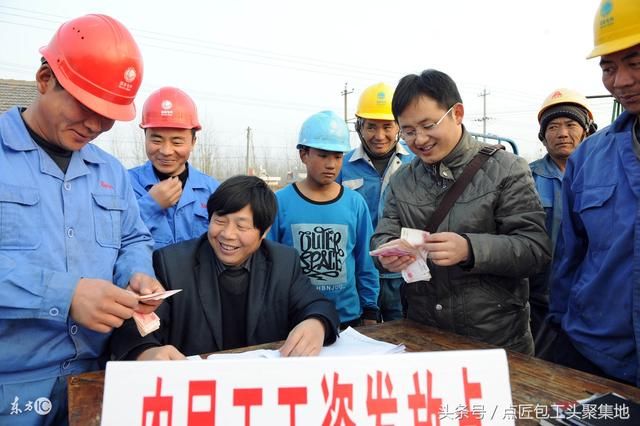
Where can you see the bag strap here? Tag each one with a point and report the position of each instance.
(460, 184)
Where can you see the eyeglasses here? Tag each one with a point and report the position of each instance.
(424, 130)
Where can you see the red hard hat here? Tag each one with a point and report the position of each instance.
(170, 107)
(96, 60)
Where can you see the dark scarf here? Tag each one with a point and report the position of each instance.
(380, 162)
(182, 176)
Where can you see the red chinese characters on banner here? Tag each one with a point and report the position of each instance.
(472, 390)
(202, 403)
(247, 398)
(378, 405)
(342, 394)
(292, 397)
(153, 407)
(381, 402)
(425, 401)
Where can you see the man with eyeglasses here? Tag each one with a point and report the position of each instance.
(367, 170)
(490, 240)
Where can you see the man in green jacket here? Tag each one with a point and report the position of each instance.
(491, 239)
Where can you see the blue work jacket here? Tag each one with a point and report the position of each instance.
(548, 178)
(56, 228)
(359, 174)
(186, 220)
(595, 283)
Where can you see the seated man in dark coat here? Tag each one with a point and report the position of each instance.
(238, 288)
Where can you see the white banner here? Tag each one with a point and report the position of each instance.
(429, 388)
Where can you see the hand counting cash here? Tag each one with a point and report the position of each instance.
(148, 323)
(418, 270)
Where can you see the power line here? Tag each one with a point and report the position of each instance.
(207, 48)
(298, 63)
(237, 53)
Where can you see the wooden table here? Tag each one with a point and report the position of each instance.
(533, 381)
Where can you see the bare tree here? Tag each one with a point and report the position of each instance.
(206, 154)
(128, 145)
(204, 157)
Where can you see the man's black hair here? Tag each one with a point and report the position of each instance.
(237, 192)
(432, 83)
(58, 86)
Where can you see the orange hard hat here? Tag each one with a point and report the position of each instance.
(170, 107)
(565, 96)
(568, 103)
(98, 62)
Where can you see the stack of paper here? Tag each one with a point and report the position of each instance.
(146, 323)
(349, 343)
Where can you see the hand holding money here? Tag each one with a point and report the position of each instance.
(148, 323)
(101, 306)
(447, 248)
(395, 255)
(418, 270)
(142, 285)
(407, 254)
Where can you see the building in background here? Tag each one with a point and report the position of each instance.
(16, 93)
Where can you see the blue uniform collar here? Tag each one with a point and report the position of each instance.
(546, 167)
(24, 142)
(20, 140)
(360, 154)
(624, 122)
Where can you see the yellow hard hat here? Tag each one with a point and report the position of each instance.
(375, 102)
(564, 96)
(616, 26)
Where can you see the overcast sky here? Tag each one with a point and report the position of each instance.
(270, 64)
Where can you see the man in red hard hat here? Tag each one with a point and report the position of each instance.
(172, 194)
(71, 239)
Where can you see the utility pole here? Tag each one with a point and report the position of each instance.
(345, 93)
(248, 147)
(484, 117)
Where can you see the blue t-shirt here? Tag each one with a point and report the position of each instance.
(332, 239)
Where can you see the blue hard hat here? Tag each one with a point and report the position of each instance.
(325, 130)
